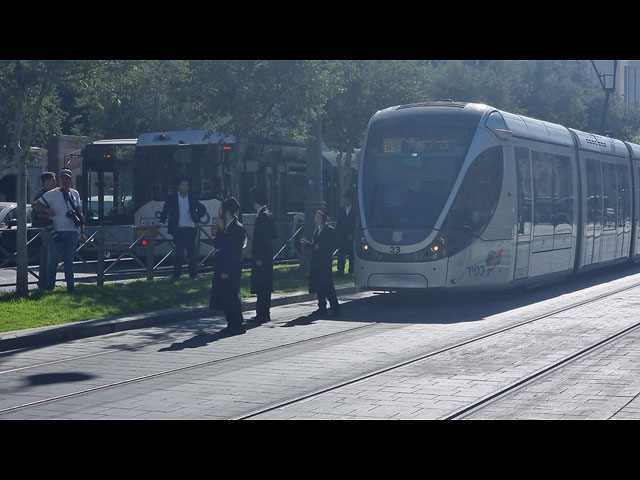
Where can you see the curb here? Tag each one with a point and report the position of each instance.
(103, 326)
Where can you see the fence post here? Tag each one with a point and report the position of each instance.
(44, 259)
(151, 243)
(100, 266)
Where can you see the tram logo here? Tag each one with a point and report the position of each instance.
(493, 259)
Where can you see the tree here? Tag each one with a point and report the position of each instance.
(29, 83)
(261, 97)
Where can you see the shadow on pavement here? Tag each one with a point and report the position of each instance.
(49, 378)
(447, 307)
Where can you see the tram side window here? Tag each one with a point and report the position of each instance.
(624, 197)
(563, 195)
(594, 193)
(477, 198)
(610, 195)
(524, 190)
(543, 186)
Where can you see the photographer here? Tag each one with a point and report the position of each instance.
(65, 211)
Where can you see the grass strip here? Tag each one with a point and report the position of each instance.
(90, 301)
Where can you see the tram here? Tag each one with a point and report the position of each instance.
(465, 196)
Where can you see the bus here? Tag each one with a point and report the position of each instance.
(126, 181)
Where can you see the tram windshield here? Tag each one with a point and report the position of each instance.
(409, 171)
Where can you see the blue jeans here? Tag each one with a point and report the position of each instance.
(66, 244)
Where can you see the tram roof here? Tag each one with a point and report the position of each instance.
(599, 143)
(635, 150)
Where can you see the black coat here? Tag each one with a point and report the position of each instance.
(346, 226)
(171, 209)
(229, 259)
(262, 249)
(321, 269)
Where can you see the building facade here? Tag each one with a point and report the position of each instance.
(627, 79)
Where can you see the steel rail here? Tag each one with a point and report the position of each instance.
(496, 396)
(425, 356)
(339, 384)
(170, 371)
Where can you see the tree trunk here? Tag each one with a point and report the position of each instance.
(22, 275)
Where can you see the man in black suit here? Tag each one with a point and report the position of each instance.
(229, 265)
(346, 230)
(320, 273)
(262, 256)
(184, 212)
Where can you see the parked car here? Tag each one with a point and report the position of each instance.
(8, 227)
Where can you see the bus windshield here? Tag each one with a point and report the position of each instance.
(409, 171)
(157, 169)
(108, 172)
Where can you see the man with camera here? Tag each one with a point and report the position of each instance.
(64, 208)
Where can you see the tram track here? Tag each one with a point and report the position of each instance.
(310, 395)
(167, 372)
(495, 397)
(480, 403)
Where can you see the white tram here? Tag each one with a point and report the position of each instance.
(462, 195)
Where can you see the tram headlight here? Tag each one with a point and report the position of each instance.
(437, 249)
(363, 244)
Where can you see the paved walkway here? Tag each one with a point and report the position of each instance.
(183, 370)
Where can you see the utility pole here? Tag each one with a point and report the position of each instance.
(313, 201)
(608, 90)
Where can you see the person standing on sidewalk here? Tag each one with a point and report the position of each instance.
(48, 180)
(230, 266)
(64, 208)
(184, 212)
(262, 256)
(41, 219)
(346, 229)
(320, 273)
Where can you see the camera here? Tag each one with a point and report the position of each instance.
(49, 228)
(42, 220)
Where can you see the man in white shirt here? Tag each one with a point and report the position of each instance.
(184, 212)
(63, 206)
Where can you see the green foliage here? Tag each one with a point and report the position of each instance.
(123, 98)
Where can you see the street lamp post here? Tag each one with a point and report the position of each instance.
(608, 83)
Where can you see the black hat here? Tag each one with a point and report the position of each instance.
(231, 205)
(259, 196)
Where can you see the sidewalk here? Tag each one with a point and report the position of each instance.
(61, 333)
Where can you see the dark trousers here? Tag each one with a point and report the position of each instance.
(185, 239)
(263, 303)
(232, 306)
(214, 296)
(327, 292)
(343, 252)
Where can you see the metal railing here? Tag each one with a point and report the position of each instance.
(144, 245)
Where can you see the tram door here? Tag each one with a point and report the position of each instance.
(593, 226)
(524, 213)
(636, 166)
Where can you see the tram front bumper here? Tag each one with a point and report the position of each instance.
(399, 276)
